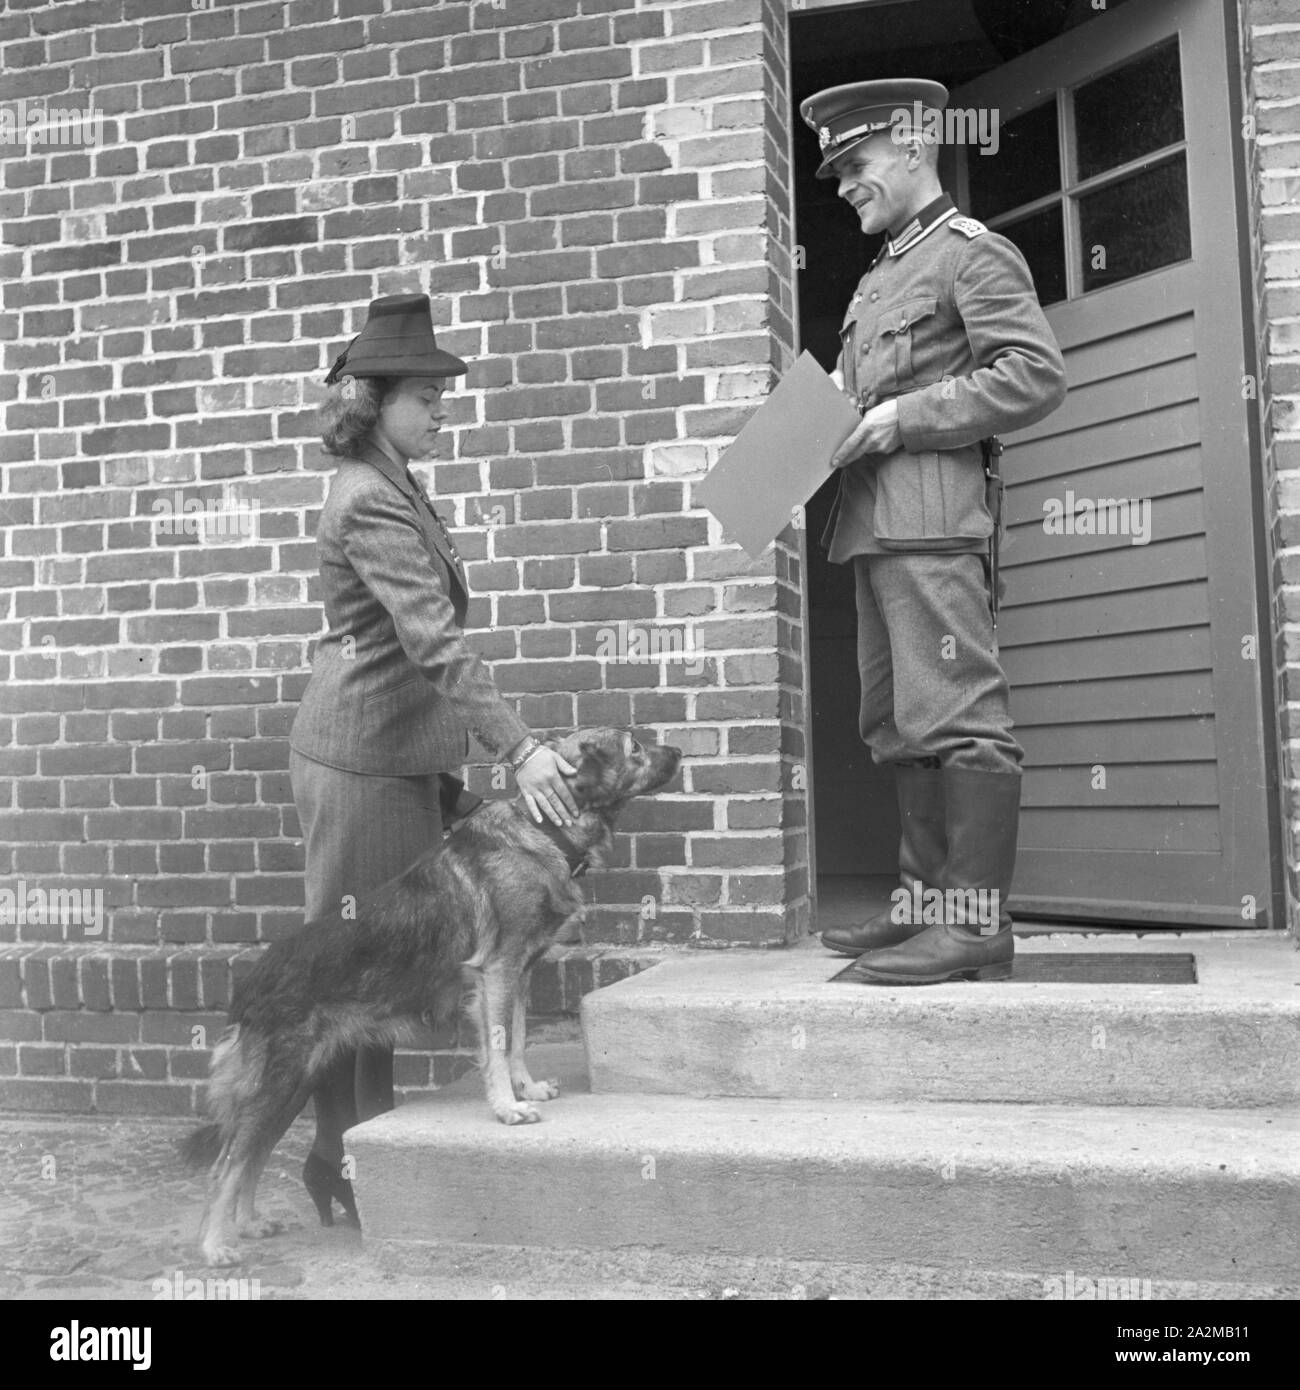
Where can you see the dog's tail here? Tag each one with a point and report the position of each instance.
(200, 1148)
(233, 1079)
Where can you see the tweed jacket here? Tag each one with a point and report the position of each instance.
(394, 685)
(946, 321)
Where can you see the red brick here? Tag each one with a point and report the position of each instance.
(226, 53)
(64, 1026)
(479, 80)
(162, 1027)
(94, 983)
(187, 1065)
(583, 67)
(93, 1062)
(749, 925)
(47, 1095)
(571, 198)
(125, 984)
(11, 987)
(41, 1059)
(142, 1098)
(41, 826)
(20, 1025)
(144, 1063)
(62, 762)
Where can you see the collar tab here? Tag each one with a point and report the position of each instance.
(931, 216)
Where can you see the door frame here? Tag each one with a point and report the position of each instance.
(1275, 788)
(1246, 812)
(1234, 305)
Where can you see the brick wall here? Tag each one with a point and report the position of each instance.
(1270, 40)
(597, 194)
(128, 1029)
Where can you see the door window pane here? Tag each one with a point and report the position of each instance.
(1041, 240)
(1026, 166)
(1135, 224)
(1129, 112)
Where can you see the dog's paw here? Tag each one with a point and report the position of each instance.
(538, 1090)
(260, 1227)
(520, 1113)
(222, 1256)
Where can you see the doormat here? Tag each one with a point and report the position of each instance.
(1104, 968)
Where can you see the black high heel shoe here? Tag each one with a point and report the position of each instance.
(327, 1185)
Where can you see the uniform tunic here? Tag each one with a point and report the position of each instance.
(946, 322)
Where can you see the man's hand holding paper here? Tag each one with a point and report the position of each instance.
(878, 433)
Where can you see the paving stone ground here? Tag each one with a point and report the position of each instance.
(101, 1209)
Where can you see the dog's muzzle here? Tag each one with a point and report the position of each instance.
(663, 765)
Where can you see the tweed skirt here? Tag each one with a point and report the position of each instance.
(359, 830)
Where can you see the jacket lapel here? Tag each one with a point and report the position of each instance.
(397, 475)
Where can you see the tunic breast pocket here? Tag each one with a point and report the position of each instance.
(905, 328)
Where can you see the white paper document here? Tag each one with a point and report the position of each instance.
(780, 458)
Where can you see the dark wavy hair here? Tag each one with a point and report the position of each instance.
(350, 411)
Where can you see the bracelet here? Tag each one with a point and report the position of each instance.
(536, 748)
(530, 745)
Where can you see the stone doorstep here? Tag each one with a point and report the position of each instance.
(641, 1274)
(771, 1025)
(1149, 1193)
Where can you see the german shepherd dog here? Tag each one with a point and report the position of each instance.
(466, 922)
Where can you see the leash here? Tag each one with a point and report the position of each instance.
(455, 800)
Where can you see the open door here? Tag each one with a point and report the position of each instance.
(1130, 631)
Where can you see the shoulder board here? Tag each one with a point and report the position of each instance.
(967, 226)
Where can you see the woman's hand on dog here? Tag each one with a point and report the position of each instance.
(541, 780)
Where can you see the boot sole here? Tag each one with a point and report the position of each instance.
(1001, 970)
(854, 951)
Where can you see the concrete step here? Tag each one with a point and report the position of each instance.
(641, 1274)
(769, 1024)
(969, 1192)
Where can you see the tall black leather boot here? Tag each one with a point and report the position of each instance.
(335, 1102)
(922, 849)
(334, 1098)
(974, 940)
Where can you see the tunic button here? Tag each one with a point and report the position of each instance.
(874, 296)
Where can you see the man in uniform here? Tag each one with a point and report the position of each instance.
(943, 347)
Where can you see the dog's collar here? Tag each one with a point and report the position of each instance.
(579, 861)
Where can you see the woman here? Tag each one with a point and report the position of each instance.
(394, 685)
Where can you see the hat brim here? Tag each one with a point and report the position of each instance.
(827, 170)
(434, 363)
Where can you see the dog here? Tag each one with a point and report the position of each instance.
(466, 923)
